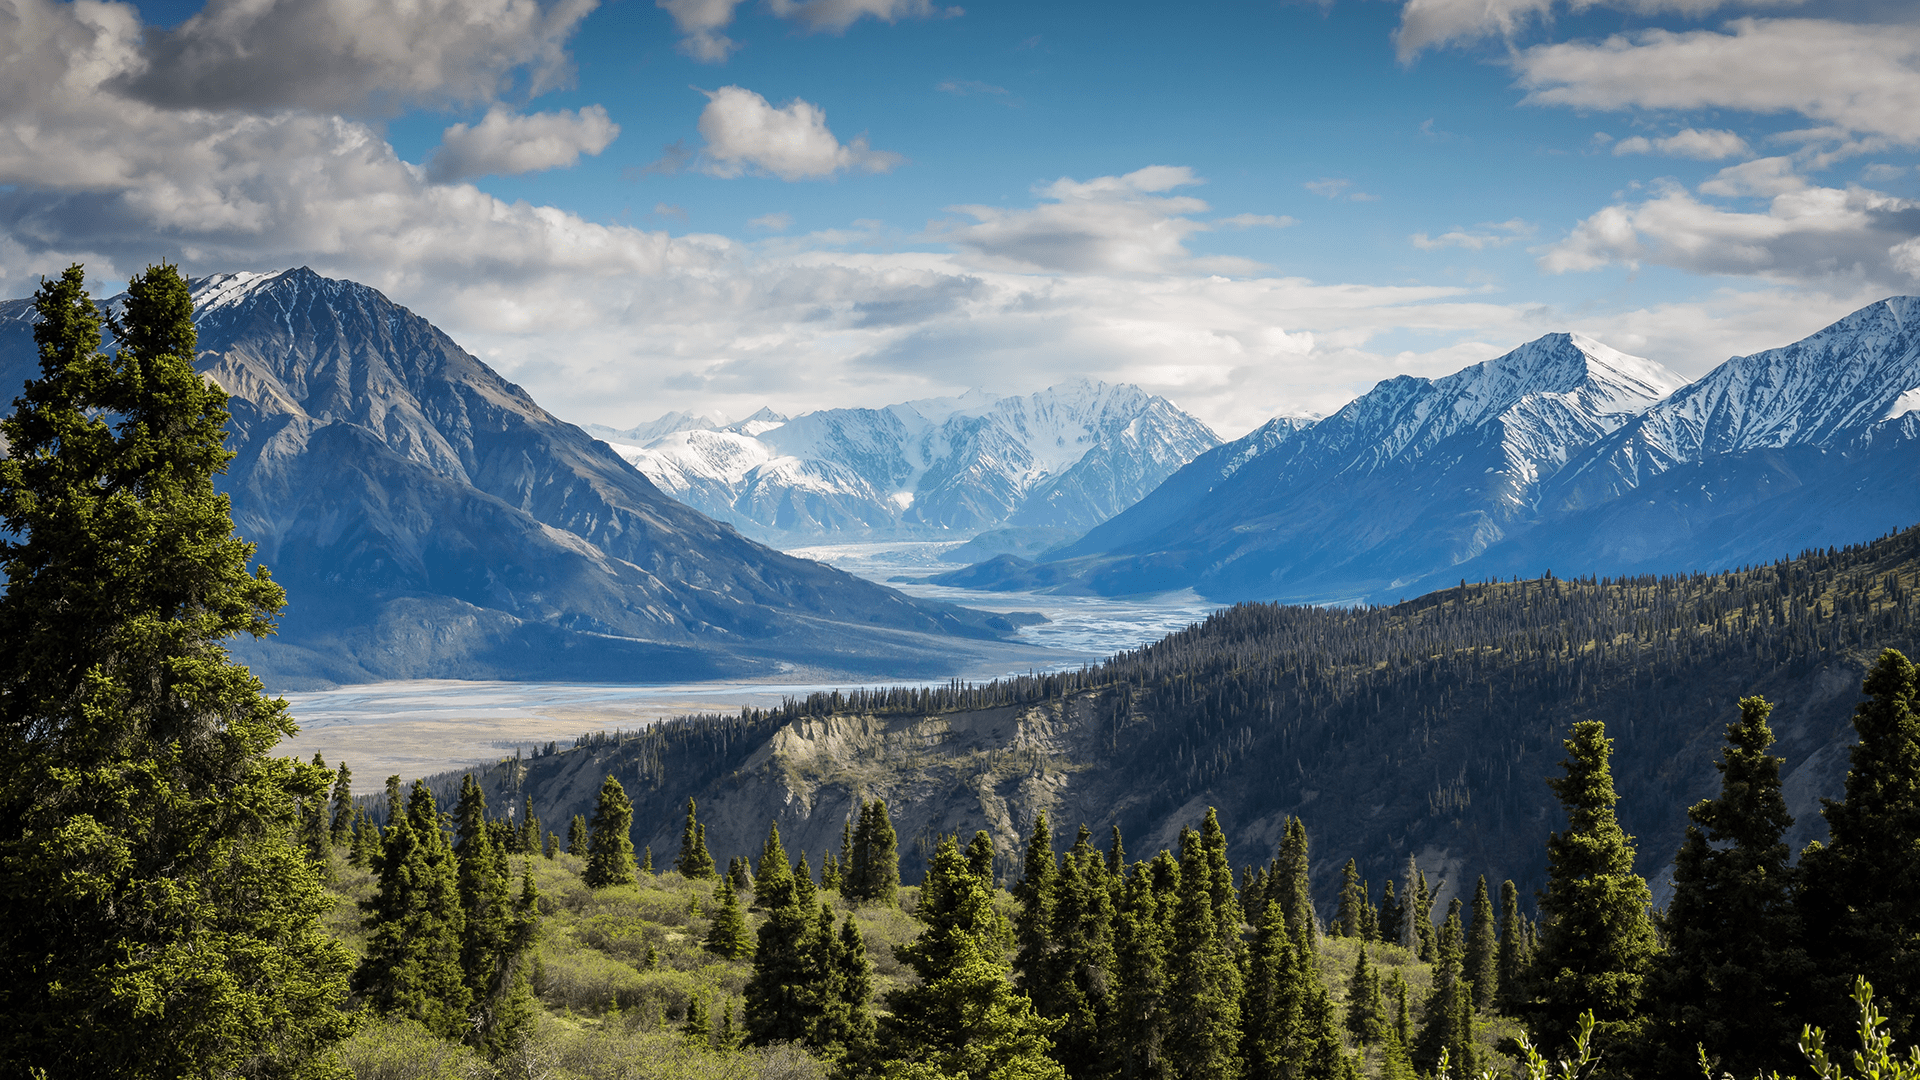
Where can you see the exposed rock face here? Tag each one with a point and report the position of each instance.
(1068, 457)
(429, 519)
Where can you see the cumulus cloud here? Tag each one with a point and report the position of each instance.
(1428, 23)
(701, 22)
(1807, 234)
(746, 134)
(1709, 145)
(350, 56)
(835, 16)
(505, 144)
(1856, 77)
(1488, 235)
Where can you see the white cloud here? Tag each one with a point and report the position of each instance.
(836, 15)
(778, 221)
(1334, 187)
(701, 23)
(504, 144)
(744, 133)
(1709, 145)
(350, 56)
(1428, 23)
(1252, 221)
(1807, 235)
(1855, 77)
(1490, 235)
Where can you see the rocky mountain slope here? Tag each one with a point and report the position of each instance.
(1425, 729)
(1067, 458)
(429, 519)
(1563, 455)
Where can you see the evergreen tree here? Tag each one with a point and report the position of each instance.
(609, 843)
(876, 858)
(1033, 921)
(366, 842)
(646, 859)
(1393, 921)
(1275, 1009)
(829, 872)
(1597, 940)
(1140, 943)
(740, 872)
(395, 805)
(774, 877)
(1420, 914)
(1367, 1019)
(788, 993)
(694, 862)
(980, 857)
(1859, 911)
(1369, 915)
(1448, 1024)
(855, 985)
(1348, 919)
(490, 925)
(552, 847)
(148, 847)
(1295, 897)
(1734, 950)
(315, 832)
(963, 1020)
(577, 836)
(697, 1031)
(343, 808)
(529, 829)
(416, 924)
(1511, 976)
(1116, 855)
(1481, 964)
(1079, 972)
(1227, 915)
(1204, 983)
(1402, 1019)
(727, 933)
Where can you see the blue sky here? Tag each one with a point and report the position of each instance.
(1253, 208)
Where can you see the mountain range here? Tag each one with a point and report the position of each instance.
(429, 519)
(1561, 455)
(1065, 459)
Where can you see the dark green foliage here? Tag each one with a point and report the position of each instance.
(1481, 963)
(1393, 919)
(577, 836)
(315, 832)
(1078, 974)
(148, 842)
(829, 872)
(490, 927)
(1033, 922)
(1420, 915)
(552, 847)
(1291, 1028)
(1859, 908)
(1510, 978)
(1140, 943)
(1290, 885)
(963, 1019)
(694, 862)
(1116, 855)
(416, 924)
(774, 878)
(1351, 914)
(848, 1031)
(341, 829)
(697, 1029)
(1597, 939)
(1734, 951)
(609, 843)
(727, 932)
(1448, 1017)
(529, 832)
(979, 857)
(1367, 1019)
(1203, 979)
(874, 877)
(646, 861)
(789, 992)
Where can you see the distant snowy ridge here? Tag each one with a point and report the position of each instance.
(1068, 457)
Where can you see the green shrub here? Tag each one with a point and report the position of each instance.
(405, 1050)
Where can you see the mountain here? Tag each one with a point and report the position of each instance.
(429, 519)
(1065, 458)
(1425, 728)
(1415, 476)
(642, 434)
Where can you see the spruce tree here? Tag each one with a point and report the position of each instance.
(148, 847)
(1596, 940)
(1858, 899)
(1448, 1018)
(963, 1019)
(788, 992)
(1481, 964)
(829, 872)
(529, 829)
(1367, 1019)
(1296, 899)
(1033, 921)
(577, 836)
(1274, 1015)
(1204, 983)
(343, 808)
(876, 858)
(1734, 955)
(609, 843)
(1349, 917)
(980, 857)
(315, 833)
(1393, 923)
(1226, 902)
(1420, 915)
(490, 926)
(697, 1029)
(416, 924)
(774, 876)
(1079, 973)
(727, 932)
(1140, 945)
(646, 859)
(1116, 855)
(1510, 979)
(694, 862)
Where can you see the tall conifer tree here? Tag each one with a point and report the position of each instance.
(1140, 943)
(1597, 940)
(147, 837)
(1033, 921)
(416, 924)
(1859, 908)
(1511, 977)
(1204, 983)
(609, 839)
(1481, 964)
(694, 862)
(343, 808)
(727, 932)
(1734, 954)
(1350, 915)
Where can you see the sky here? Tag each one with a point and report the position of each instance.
(632, 207)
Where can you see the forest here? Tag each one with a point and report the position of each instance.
(177, 901)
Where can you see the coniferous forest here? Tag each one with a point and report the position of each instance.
(176, 901)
